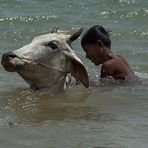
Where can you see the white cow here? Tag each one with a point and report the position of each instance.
(46, 61)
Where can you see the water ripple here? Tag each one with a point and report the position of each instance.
(127, 2)
(123, 13)
(29, 18)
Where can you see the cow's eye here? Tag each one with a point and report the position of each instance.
(53, 45)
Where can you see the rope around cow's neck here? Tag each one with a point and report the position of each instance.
(48, 67)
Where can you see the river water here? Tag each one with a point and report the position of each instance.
(107, 116)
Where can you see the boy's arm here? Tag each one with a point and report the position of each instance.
(120, 76)
(108, 72)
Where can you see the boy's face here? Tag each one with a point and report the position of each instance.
(96, 53)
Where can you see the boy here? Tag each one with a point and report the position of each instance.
(97, 45)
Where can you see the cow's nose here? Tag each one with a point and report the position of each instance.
(9, 55)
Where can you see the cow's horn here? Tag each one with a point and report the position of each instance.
(75, 35)
(54, 30)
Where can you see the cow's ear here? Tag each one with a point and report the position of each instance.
(77, 68)
(79, 72)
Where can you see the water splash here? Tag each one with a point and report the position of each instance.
(142, 75)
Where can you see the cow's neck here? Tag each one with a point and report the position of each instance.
(46, 84)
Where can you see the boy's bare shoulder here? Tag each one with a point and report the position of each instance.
(116, 59)
(107, 67)
(112, 61)
(114, 64)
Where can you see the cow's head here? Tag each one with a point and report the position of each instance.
(47, 60)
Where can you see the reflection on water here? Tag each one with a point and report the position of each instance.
(77, 104)
(36, 108)
(97, 104)
(92, 118)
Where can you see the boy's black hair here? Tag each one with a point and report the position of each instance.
(96, 33)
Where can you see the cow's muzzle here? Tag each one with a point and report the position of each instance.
(10, 61)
